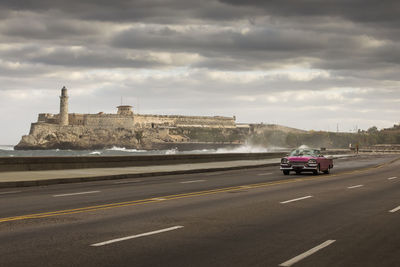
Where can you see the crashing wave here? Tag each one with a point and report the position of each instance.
(243, 149)
(123, 149)
(7, 148)
(171, 151)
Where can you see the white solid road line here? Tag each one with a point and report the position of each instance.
(74, 194)
(264, 174)
(194, 181)
(159, 199)
(307, 253)
(136, 236)
(296, 199)
(395, 209)
(392, 178)
(355, 186)
(9, 192)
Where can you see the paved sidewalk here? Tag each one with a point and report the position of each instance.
(34, 178)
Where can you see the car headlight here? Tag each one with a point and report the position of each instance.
(284, 161)
(312, 161)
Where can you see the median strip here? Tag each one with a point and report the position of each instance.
(136, 236)
(74, 194)
(307, 253)
(296, 199)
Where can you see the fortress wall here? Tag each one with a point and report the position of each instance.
(108, 121)
(206, 121)
(76, 119)
(143, 121)
(48, 118)
(42, 126)
(43, 117)
(148, 120)
(173, 120)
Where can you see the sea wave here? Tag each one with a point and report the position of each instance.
(6, 147)
(8, 151)
(171, 151)
(123, 149)
(244, 149)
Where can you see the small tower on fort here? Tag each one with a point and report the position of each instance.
(64, 107)
(125, 110)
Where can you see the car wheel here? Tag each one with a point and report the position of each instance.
(286, 172)
(316, 172)
(327, 170)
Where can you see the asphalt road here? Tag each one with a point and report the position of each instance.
(254, 217)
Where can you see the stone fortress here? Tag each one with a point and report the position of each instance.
(125, 118)
(127, 129)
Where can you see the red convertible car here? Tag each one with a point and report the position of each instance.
(306, 160)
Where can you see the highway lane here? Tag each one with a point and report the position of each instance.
(248, 226)
(19, 201)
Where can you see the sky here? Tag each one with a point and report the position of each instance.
(309, 64)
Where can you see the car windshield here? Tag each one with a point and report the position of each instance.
(305, 152)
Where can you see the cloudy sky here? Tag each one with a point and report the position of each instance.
(310, 64)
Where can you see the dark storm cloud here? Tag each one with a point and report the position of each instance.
(32, 26)
(262, 60)
(228, 40)
(106, 59)
(366, 11)
(297, 30)
(159, 11)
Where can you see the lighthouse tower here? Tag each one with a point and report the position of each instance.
(64, 107)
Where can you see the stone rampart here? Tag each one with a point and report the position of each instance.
(145, 120)
(108, 121)
(140, 120)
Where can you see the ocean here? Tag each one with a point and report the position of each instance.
(8, 151)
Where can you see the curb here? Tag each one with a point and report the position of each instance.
(124, 176)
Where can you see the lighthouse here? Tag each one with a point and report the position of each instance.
(64, 107)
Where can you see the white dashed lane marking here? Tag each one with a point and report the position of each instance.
(392, 178)
(355, 186)
(307, 253)
(395, 209)
(296, 199)
(136, 236)
(74, 194)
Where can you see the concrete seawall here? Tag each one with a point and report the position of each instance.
(60, 163)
